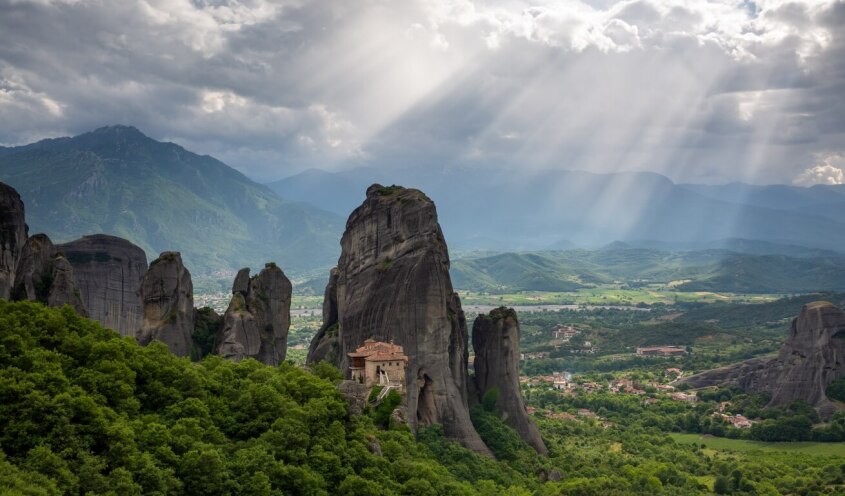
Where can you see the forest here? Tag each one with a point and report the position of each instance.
(88, 412)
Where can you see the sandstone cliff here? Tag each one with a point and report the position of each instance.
(393, 285)
(257, 321)
(812, 357)
(13, 236)
(167, 294)
(495, 340)
(108, 270)
(46, 276)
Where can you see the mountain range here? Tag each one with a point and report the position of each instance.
(511, 210)
(118, 181)
(506, 228)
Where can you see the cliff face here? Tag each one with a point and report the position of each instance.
(812, 357)
(257, 321)
(325, 344)
(167, 294)
(13, 236)
(108, 270)
(46, 276)
(495, 340)
(393, 285)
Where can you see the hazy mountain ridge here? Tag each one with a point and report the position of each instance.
(707, 270)
(160, 196)
(538, 209)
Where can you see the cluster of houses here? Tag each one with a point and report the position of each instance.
(738, 421)
(565, 332)
(562, 381)
(535, 355)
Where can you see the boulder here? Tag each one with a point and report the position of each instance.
(812, 357)
(13, 235)
(167, 294)
(108, 271)
(393, 285)
(257, 321)
(44, 275)
(356, 395)
(495, 340)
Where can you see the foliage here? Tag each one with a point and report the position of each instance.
(836, 390)
(381, 414)
(87, 412)
(490, 398)
(207, 324)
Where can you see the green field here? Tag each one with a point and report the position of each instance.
(609, 295)
(725, 444)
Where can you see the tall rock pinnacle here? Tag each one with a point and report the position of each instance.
(393, 285)
(495, 340)
(167, 294)
(44, 274)
(108, 270)
(13, 236)
(257, 321)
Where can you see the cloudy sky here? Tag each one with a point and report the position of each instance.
(702, 91)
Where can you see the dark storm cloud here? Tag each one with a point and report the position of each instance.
(697, 90)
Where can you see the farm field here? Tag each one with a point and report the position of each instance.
(725, 444)
(610, 296)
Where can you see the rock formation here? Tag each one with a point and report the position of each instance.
(167, 294)
(812, 357)
(356, 395)
(495, 339)
(13, 236)
(392, 284)
(108, 270)
(258, 318)
(325, 345)
(46, 276)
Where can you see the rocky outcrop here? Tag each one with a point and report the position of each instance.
(13, 236)
(812, 357)
(108, 270)
(44, 275)
(32, 275)
(167, 295)
(393, 285)
(258, 318)
(356, 395)
(65, 290)
(495, 340)
(324, 345)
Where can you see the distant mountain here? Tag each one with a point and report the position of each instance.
(118, 181)
(510, 209)
(707, 270)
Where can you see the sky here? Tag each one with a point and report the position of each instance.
(701, 91)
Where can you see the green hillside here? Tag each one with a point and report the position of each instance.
(87, 412)
(162, 197)
(707, 270)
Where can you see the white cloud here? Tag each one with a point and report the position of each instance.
(689, 88)
(831, 170)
